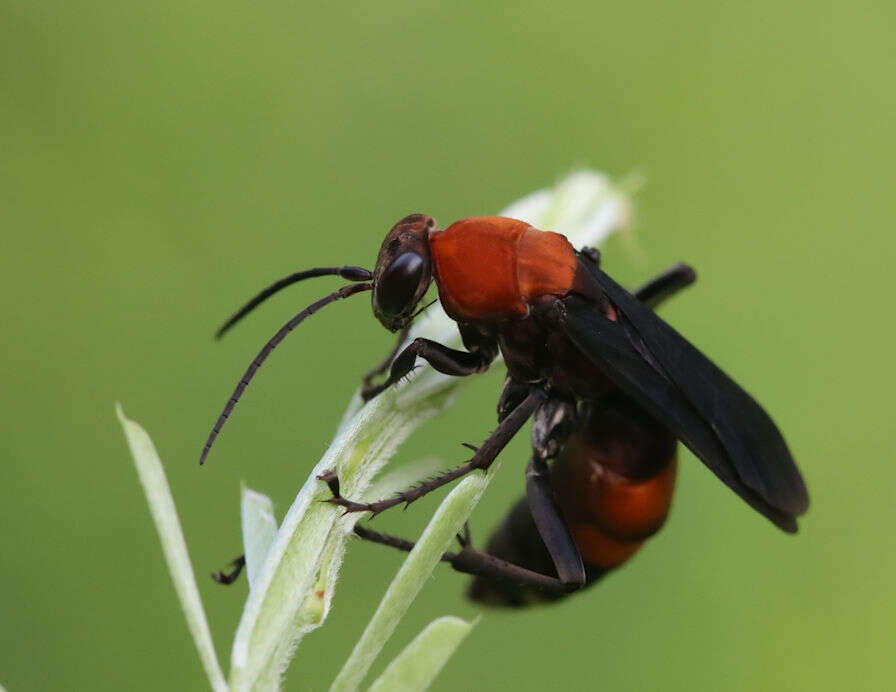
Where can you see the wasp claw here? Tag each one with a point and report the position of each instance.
(331, 478)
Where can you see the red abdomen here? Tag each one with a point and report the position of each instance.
(614, 482)
(490, 267)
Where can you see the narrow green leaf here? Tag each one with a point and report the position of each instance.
(419, 564)
(259, 530)
(310, 616)
(312, 529)
(415, 668)
(164, 514)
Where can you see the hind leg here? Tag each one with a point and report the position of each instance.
(544, 523)
(478, 563)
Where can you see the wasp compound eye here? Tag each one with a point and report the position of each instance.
(397, 287)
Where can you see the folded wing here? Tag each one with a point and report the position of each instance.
(711, 414)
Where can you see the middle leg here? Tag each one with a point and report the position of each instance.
(482, 459)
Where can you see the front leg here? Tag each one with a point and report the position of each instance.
(367, 380)
(446, 360)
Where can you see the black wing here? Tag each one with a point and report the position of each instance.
(682, 388)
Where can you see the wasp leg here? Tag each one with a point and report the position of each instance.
(660, 287)
(551, 527)
(512, 394)
(446, 360)
(367, 385)
(666, 285)
(482, 459)
(231, 576)
(471, 561)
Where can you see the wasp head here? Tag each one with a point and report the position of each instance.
(403, 271)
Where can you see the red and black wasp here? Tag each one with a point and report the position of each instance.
(610, 386)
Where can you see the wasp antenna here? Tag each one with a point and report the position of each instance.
(350, 273)
(343, 292)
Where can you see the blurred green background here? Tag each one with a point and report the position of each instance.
(160, 162)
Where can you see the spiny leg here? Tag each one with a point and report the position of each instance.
(482, 459)
(471, 561)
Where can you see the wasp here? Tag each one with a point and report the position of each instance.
(610, 387)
